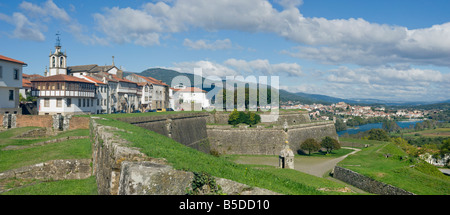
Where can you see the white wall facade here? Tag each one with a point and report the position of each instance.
(10, 80)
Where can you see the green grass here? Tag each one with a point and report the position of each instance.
(70, 149)
(188, 159)
(65, 187)
(399, 169)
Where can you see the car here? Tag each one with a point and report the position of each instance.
(136, 111)
(169, 109)
(150, 110)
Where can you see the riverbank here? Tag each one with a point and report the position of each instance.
(366, 127)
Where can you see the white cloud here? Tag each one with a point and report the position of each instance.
(24, 28)
(264, 67)
(204, 44)
(208, 68)
(335, 41)
(47, 9)
(234, 67)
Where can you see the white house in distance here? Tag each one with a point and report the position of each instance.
(184, 96)
(10, 84)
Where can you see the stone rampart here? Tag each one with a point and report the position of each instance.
(52, 170)
(188, 129)
(58, 122)
(123, 170)
(291, 118)
(260, 140)
(365, 183)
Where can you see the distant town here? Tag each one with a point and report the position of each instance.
(343, 109)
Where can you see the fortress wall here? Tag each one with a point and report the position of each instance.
(291, 118)
(123, 170)
(188, 129)
(254, 141)
(299, 133)
(265, 141)
(365, 183)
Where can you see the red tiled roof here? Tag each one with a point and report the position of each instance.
(67, 78)
(94, 80)
(122, 79)
(26, 83)
(11, 60)
(152, 80)
(31, 77)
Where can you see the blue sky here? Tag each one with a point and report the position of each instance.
(384, 49)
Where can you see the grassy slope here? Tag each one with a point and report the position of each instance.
(70, 149)
(185, 158)
(409, 174)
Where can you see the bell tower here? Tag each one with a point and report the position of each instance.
(58, 60)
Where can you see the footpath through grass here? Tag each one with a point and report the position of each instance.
(184, 158)
(388, 163)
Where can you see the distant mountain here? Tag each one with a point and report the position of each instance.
(167, 75)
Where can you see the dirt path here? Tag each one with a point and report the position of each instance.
(310, 165)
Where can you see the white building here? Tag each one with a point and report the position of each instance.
(101, 95)
(10, 84)
(187, 95)
(64, 94)
(159, 91)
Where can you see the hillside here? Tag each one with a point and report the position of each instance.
(167, 75)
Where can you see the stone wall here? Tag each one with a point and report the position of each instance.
(67, 122)
(291, 118)
(34, 120)
(52, 170)
(188, 129)
(365, 183)
(123, 170)
(225, 139)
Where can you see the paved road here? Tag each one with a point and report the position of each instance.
(311, 165)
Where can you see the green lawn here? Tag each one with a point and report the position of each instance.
(68, 149)
(65, 187)
(398, 169)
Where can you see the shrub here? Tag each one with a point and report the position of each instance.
(248, 118)
(378, 134)
(329, 144)
(310, 145)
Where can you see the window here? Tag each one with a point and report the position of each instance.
(69, 102)
(79, 102)
(87, 102)
(1, 72)
(46, 102)
(58, 102)
(16, 74)
(84, 102)
(11, 95)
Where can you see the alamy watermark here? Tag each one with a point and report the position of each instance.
(257, 98)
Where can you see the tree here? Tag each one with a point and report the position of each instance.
(234, 118)
(253, 119)
(329, 144)
(378, 134)
(390, 126)
(310, 145)
(340, 125)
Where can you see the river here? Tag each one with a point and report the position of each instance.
(366, 127)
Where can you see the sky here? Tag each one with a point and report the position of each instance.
(390, 50)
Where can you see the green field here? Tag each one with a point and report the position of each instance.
(68, 149)
(387, 163)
